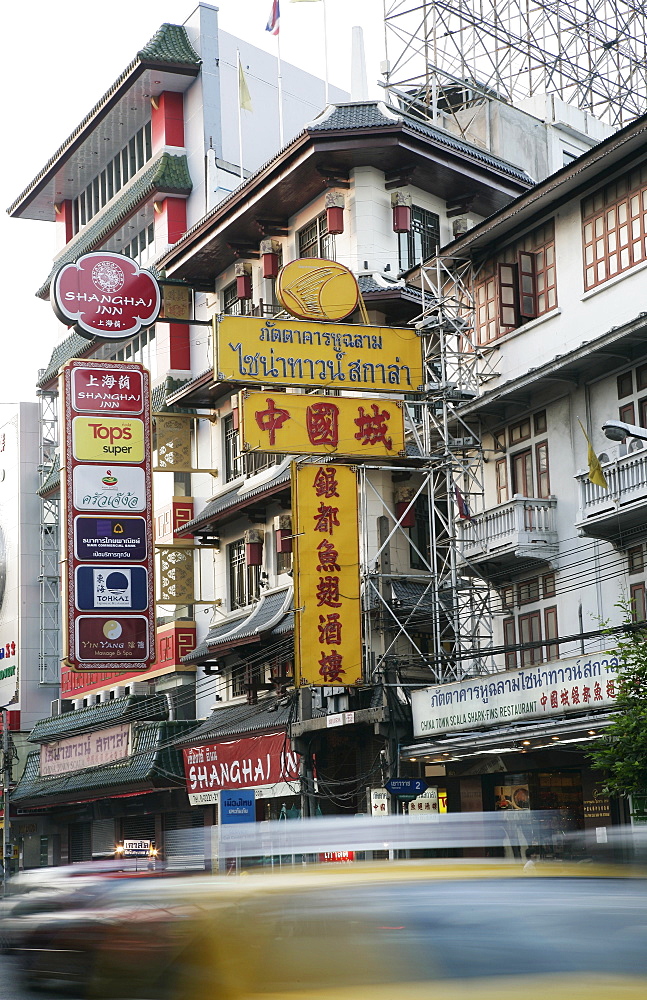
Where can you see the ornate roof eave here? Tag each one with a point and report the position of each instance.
(166, 175)
(169, 50)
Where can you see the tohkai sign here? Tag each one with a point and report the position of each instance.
(105, 295)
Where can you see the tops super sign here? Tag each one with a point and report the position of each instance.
(105, 295)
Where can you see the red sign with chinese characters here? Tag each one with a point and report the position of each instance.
(246, 763)
(105, 295)
(328, 635)
(108, 577)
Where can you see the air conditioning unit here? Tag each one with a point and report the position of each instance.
(61, 705)
(118, 692)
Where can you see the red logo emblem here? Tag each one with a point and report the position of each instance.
(105, 295)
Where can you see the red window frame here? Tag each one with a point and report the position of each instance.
(510, 639)
(530, 631)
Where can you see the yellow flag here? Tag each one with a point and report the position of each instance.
(244, 96)
(596, 474)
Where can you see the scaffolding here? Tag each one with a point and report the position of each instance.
(49, 578)
(442, 57)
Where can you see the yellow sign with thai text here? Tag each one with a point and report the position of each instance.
(314, 288)
(322, 425)
(272, 352)
(108, 439)
(327, 619)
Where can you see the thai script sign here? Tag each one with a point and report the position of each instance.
(246, 763)
(88, 750)
(101, 594)
(105, 295)
(328, 642)
(324, 355)
(577, 684)
(322, 425)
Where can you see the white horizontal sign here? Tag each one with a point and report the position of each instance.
(87, 750)
(577, 684)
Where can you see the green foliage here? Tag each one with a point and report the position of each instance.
(623, 754)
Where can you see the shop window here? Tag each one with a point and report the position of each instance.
(517, 285)
(636, 559)
(244, 580)
(314, 240)
(530, 632)
(509, 639)
(614, 227)
(638, 602)
(550, 632)
(423, 239)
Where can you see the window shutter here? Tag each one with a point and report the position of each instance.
(508, 295)
(527, 269)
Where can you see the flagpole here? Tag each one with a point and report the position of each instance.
(279, 81)
(325, 26)
(240, 117)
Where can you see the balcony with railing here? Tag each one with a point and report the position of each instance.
(619, 513)
(505, 537)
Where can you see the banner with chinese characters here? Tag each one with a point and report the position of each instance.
(550, 690)
(317, 354)
(322, 425)
(108, 595)
(327, 620)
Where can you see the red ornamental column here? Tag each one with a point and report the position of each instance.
(401, 205)
(64, 223)
(335, 202)
(243, 272)
(283, 532)
(270, 250)
(253, 547)
(167, 120)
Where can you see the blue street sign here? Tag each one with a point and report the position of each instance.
(409, 787)
(237, 806)
(120, 539)
(111, 588)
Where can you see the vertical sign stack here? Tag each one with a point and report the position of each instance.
(108, 577)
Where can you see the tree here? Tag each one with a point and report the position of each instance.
(623, 753)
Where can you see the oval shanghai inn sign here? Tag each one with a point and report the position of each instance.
(105, 295)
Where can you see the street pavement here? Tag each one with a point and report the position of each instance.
(10, 988)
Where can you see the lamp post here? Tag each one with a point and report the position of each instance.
(617, 430)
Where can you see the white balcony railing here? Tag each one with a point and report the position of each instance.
(627, 481)
(524, 527)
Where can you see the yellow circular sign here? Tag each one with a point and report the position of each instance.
(313, 288)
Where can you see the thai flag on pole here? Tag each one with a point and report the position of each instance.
(273, 20)
(463, 510)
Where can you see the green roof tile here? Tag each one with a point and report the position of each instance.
(52, 480)
(161, 392)
(170, 44)
(154, 763)
(83, 720)
(74, 346)
(167, 174)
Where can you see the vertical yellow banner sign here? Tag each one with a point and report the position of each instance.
(327, 622)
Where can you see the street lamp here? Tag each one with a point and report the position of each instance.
(617, 430)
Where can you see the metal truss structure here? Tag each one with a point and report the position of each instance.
(443, 56)
(50, 599)
(448, 603)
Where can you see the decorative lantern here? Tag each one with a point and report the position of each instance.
(243, 272)
(403, 495)
(283, 532)
(335, 212)
(401, 205)
(253, 547)
(270, 251)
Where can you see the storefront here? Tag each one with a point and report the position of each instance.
(515, 743)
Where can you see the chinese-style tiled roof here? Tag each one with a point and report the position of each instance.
(74, 346)
(108, 713)
(372, 284)
(153, 763)
(52, 481)
(161, 392)
(234, 497)
(268, 714)
(169, 48)
(167, 174)
(268, 613)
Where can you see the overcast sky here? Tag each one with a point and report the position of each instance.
(59, 58)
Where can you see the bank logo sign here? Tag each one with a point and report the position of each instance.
(109, 587)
